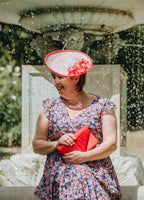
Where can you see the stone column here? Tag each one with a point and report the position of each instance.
(36, 86)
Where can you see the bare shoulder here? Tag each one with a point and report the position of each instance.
(42, 116)
(109, 120)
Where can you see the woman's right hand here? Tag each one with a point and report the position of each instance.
(67, 139)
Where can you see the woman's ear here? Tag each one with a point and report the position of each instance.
(77, 78)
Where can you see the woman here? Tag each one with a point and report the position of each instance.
(76, 175)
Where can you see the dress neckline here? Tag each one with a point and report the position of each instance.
(80, 111)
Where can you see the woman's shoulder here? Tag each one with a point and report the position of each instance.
(49, 104)
(50, 101)
(100, 99)
(104, 102)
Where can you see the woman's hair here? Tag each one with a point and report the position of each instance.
(80, 84)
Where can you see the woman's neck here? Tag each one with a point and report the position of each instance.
(78, 100)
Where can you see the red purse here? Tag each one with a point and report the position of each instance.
(85, 141)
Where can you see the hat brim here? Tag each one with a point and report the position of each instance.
(67, 62)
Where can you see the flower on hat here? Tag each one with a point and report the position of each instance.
(79, 68)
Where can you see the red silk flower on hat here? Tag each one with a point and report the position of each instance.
(80, 67)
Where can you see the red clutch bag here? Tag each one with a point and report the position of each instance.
(85, 141)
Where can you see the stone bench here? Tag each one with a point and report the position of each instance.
(26, 193)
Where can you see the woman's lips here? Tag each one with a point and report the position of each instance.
(60, 87)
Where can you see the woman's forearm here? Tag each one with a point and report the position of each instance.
(100, 152)
(44, 147)
(109, 144)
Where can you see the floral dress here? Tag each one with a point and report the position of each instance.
(91, 180)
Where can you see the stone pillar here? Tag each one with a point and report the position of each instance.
(36, 86)
(104, 80)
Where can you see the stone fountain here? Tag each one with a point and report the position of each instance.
(76, 24)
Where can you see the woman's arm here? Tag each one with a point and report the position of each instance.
(109, 144)
(40, 143)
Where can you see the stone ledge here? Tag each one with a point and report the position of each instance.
(26, 193)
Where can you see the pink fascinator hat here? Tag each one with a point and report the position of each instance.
(68, 62)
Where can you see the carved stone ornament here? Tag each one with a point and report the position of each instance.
(43, 45)
(73, 40)
(102, 52)
(101, 49)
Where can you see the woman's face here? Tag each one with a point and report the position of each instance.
(65, 85)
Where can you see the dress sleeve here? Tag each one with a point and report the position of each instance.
(46, 104)
(108, 106)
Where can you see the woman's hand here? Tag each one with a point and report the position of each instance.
(67, 139)
(75, 157)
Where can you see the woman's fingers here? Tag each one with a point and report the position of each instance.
(67, 139)
(75, 157)
(72, 136)
(70, 141)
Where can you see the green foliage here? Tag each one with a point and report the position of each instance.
(131, 59)
(15, 51)
(16, 134)
(10, 106)
(15, 46)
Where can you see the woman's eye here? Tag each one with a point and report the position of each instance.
(60, 77)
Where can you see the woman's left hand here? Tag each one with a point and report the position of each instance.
(74, 157)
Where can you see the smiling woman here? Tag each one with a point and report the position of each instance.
(77, 174)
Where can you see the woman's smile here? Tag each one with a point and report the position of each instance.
(59, 87)
(64, 85)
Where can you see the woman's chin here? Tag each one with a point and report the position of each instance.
(60, 92)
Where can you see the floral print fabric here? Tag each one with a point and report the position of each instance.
(90, 180)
